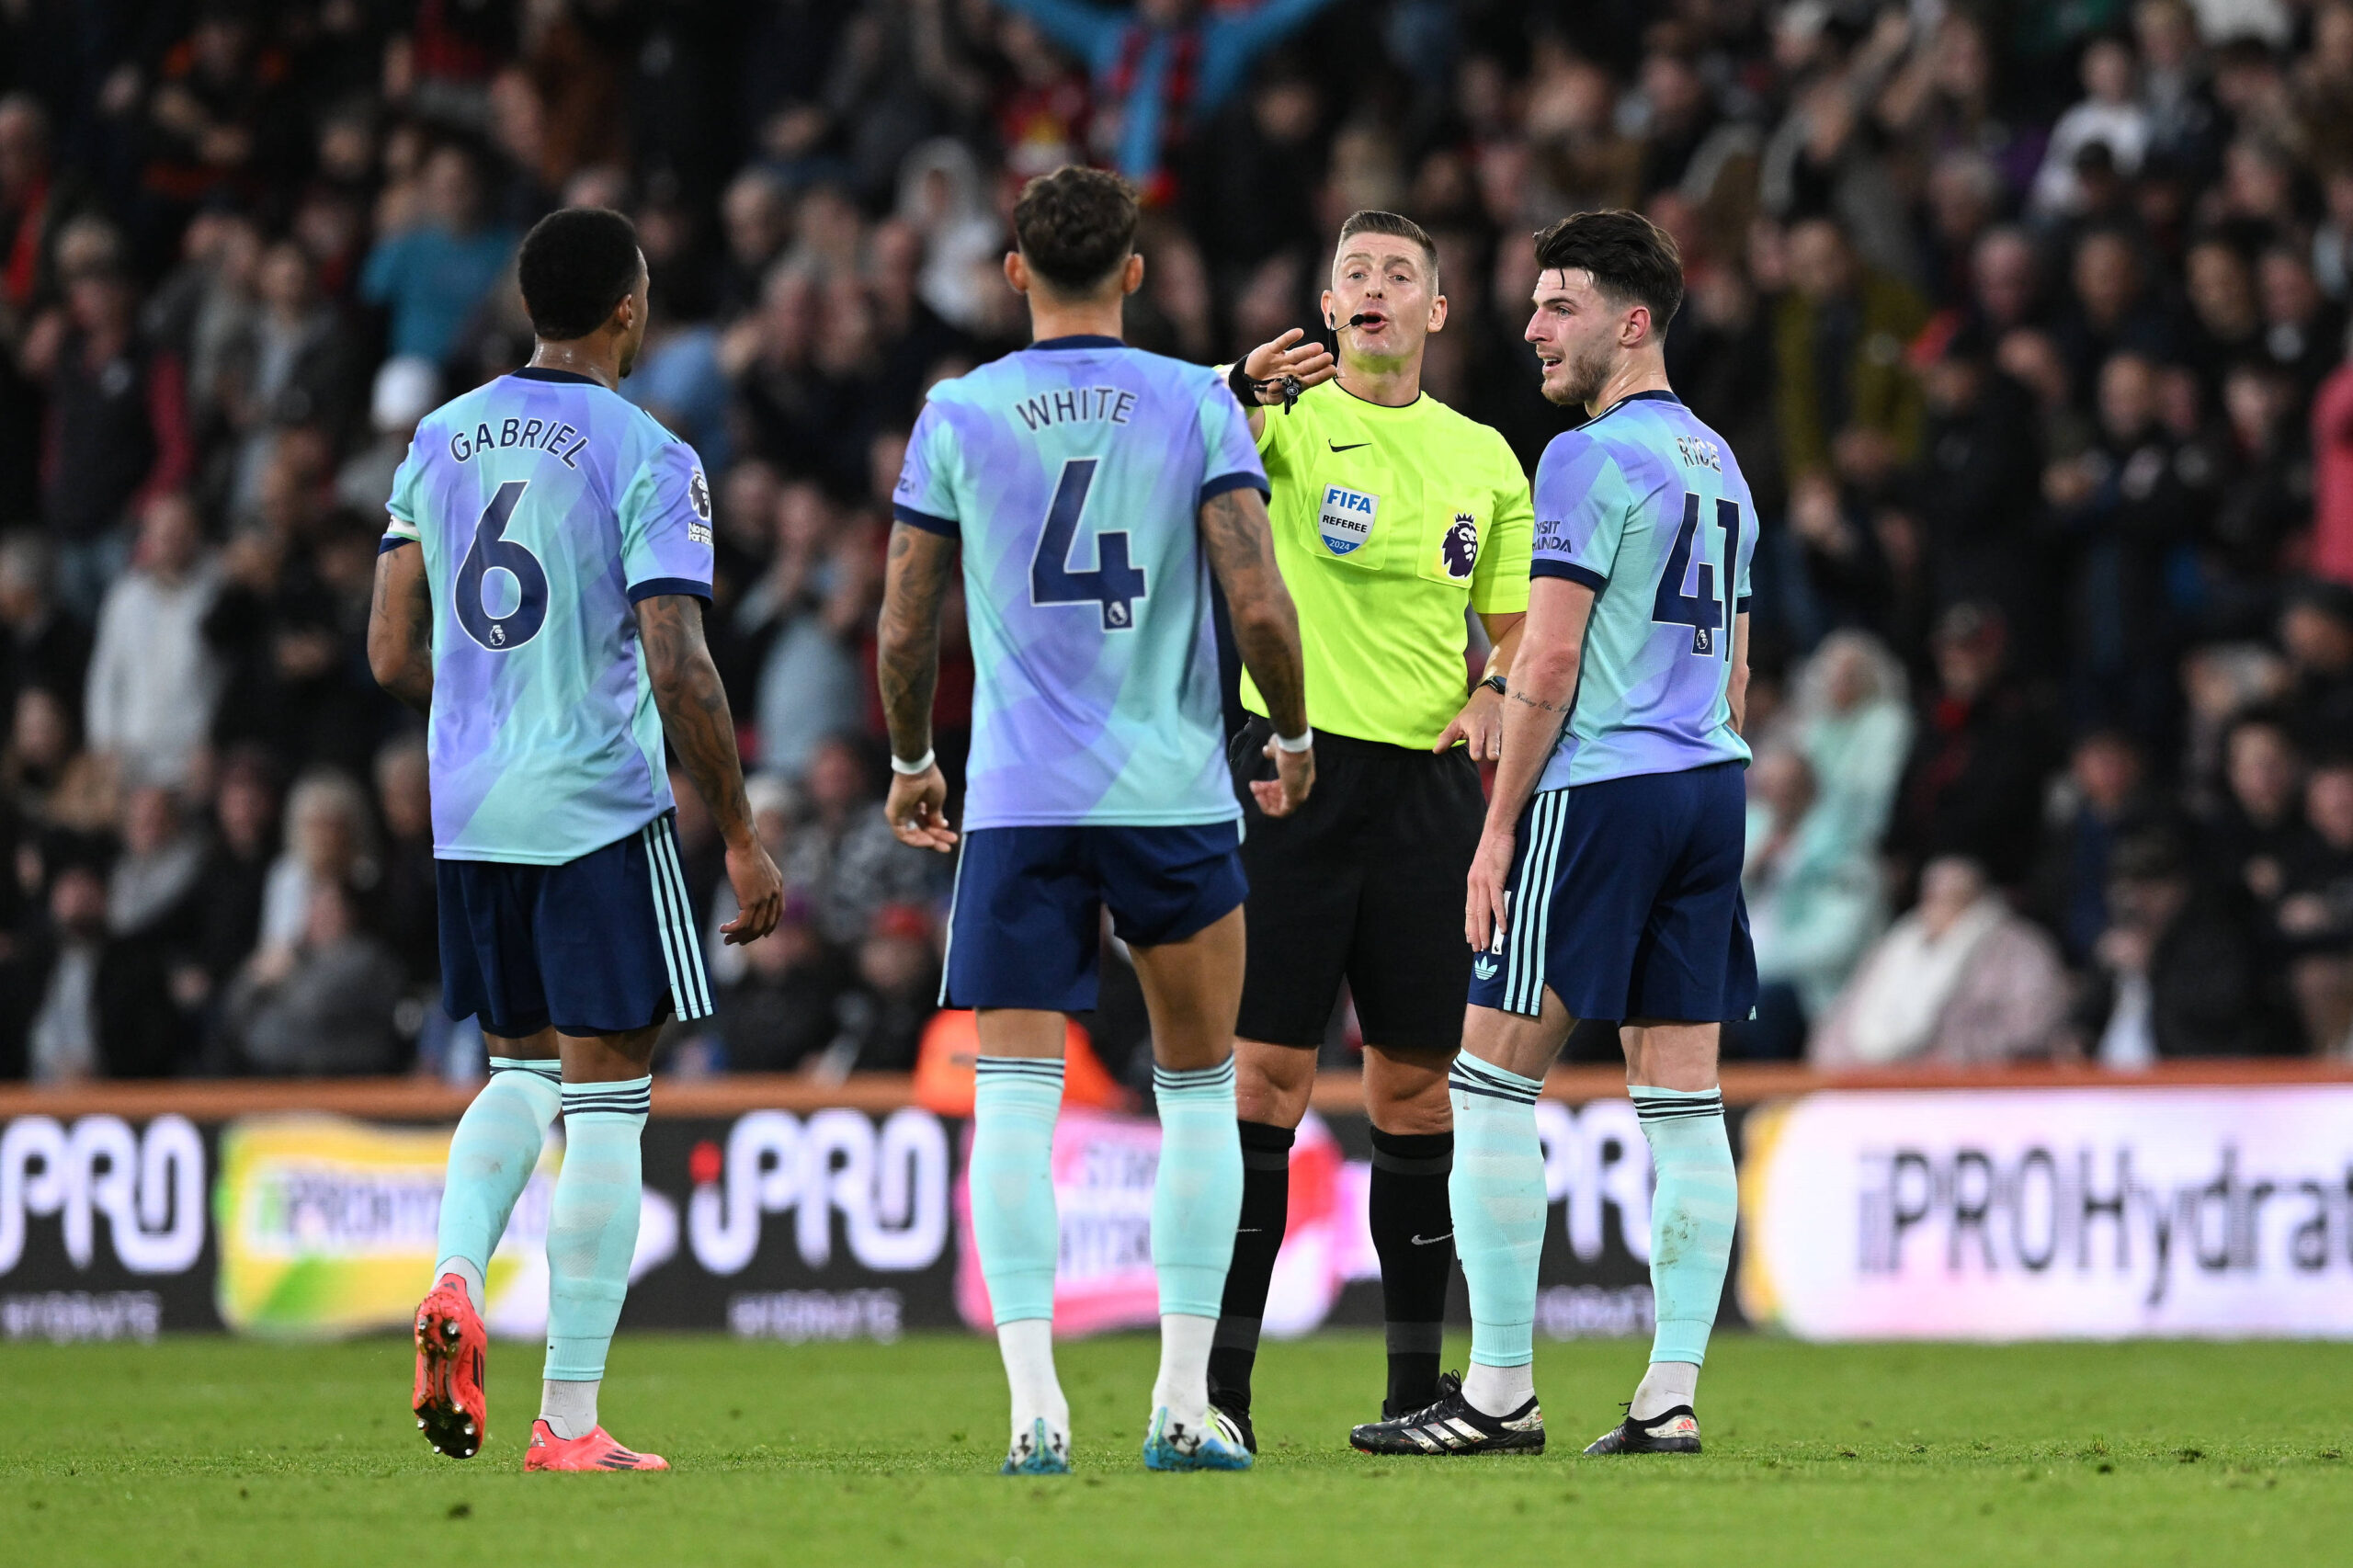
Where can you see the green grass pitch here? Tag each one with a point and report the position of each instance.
(219, 1451)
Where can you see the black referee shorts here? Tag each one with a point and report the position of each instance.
(1365, 881)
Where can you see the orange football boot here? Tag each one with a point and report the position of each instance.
(451, 1409)
(596, 1451)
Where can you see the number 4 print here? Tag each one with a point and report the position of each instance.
(1702, 610)
(1112, 583)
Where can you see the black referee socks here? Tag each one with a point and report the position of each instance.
(1413, 1230)
(1266, 1205)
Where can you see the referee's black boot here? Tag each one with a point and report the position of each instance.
(1236, 1415)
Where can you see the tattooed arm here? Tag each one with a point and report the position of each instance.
(1266, 627)
(921, 566)
(702, 732)
(400, 627)
(1544, 688)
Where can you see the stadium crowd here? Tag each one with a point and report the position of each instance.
(2027, 322)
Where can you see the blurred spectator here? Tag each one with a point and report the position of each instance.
(1160, 67)
(330, 842)
(802, 622)
(152, 680)
(235, 878)
(118, 430)
(93, 1004)
(843, 857)
(1813, 905)
(322, 1004)
(2316, 633)
(784, 1008)
(2124, 511)
(2181, 972)
(1959, 981)
(151, 891)
(406, 390)
(1852, 726)
(1845, 402)
(1973, 786)
(1977, 486)
(2102, 800)
(896, 991)
(2315, 909)
(292, 365)
(2109, 114)
(432, 272)
(39, 643)
(403, 910)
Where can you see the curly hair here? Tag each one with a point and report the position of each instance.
(1076, 227)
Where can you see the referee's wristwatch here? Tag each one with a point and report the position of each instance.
(1496, 684)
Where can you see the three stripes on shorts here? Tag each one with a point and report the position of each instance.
(673, 914)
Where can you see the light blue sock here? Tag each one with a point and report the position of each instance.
(1691, 1215)
(1014, 1101)
(592, 1225)
(492, 1156)
(1498, 1195)
(1197, 1195)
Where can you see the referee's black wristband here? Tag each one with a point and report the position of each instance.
(1496, 682)
(1246, 389)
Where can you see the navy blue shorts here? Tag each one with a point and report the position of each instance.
(601, 945)
(1027, 927)
(1625, 900)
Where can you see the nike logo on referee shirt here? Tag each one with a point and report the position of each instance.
(1422, 1241)
(1351, 447)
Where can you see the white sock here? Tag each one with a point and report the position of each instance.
(569, 1409)
(1665, 1386)
(466, 1271)
(1183, 1385)
(1028, 1346)
(1499, 1390)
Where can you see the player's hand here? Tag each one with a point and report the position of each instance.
(1285, 356)
(1479, 724)
(1483, 914)
(1294, 777)
(917, 810)
(759, 894)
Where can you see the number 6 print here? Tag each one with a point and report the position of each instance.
(492, 552)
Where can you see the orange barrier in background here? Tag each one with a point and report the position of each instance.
(423, 1099)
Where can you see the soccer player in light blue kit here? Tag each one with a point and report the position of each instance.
(1091, 490)
(1607, 884)
(538, 596)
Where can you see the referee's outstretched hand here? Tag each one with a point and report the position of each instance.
(1294, 777)
(917, 810)
(1480, 726)
(1312, 363)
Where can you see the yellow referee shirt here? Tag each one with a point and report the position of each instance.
(1387, 522)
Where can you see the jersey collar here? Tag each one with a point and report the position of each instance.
(1078, 340)
(543, 373)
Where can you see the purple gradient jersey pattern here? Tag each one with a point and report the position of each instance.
(1074, 471)
(547, 506)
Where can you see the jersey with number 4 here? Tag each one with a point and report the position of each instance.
(1646, 506)
(1074, 471)
(547, 506)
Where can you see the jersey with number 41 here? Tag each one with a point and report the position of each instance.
(1074, 471)
(1646, 506)
(547, 506)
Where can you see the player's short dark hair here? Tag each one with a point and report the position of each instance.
(578, 263)
(1076, 227)
(1632, 259)
(1372, 220)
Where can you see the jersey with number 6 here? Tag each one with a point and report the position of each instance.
(547, 506)
(1074, 471)
(1646, 506)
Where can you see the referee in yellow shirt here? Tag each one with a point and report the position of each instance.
(1392, 515)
